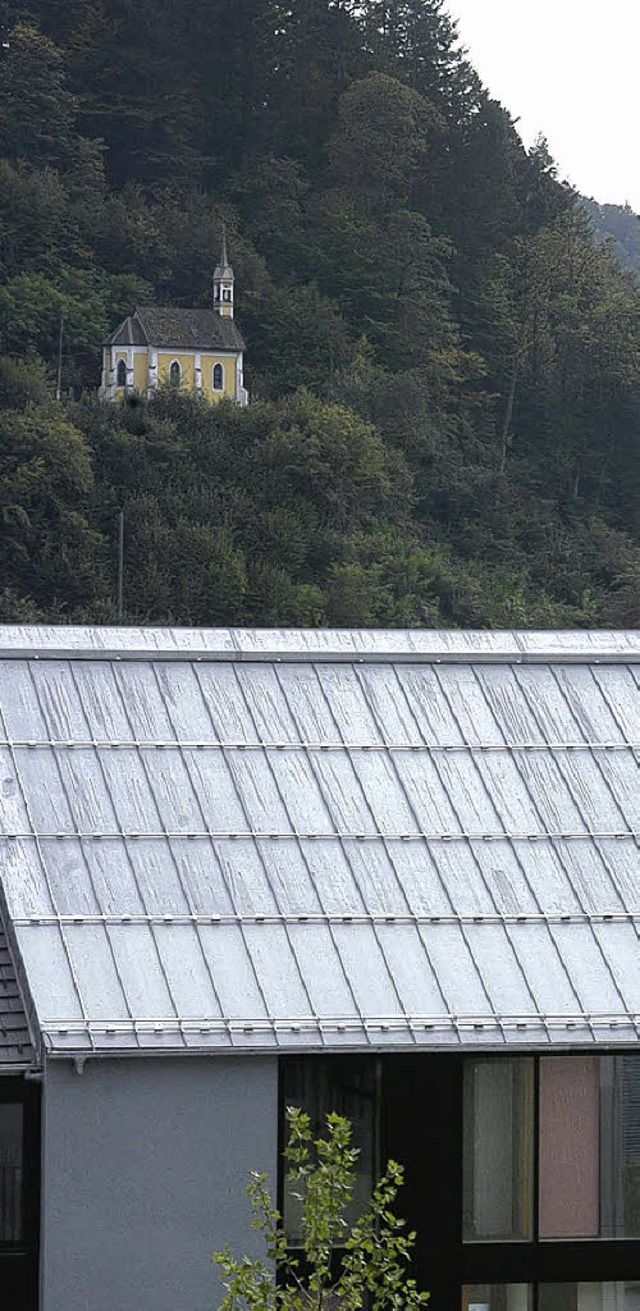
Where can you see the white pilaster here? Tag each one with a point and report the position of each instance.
(242, 395)
(110, 387)
(152, 376)
(198, 371)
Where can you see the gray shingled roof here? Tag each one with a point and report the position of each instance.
(175, 329)
(129, 333)
(15, 1046)
(273, 840)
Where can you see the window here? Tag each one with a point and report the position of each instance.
(226, 295)
(121, 374)
(611, 1295)
(589, 1147)
(614, 1295)
(218, 377)
(175, 374)
(332, 1084)
(497, 1297)
(11, 1116)
(498, 1150)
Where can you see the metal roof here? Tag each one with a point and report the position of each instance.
(269, 840)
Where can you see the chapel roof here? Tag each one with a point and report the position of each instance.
(168, 328)
(218, 840)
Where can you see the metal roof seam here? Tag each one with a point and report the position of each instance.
(447, 847)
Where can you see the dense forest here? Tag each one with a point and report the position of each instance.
(618, 225)
(443, 358)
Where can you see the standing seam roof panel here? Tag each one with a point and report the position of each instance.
(363, 840)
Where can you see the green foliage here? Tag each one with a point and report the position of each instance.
(47, 551)
(365, 1263)
(619, 227)
(444, 362)
(37, 108)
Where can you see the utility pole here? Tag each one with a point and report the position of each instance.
(120, 565)
(60, 339)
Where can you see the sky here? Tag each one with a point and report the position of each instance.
(568, 69)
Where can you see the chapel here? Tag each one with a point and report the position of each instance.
(200, 350)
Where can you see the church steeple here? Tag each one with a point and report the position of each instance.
(223, 283)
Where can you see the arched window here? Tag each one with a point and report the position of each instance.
(218, 377)
(121, 375)
(175, 374)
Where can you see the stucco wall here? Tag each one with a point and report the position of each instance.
(145, 1164)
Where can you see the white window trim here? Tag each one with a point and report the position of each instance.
(171, 367)
(218, 365)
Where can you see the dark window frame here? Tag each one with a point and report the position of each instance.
(420, 1113)
(19, 1261)
(121, 368)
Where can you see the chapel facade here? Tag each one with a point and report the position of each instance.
(200, 350)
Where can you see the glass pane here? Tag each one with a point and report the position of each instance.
(589, 1147)
(10, 1173)
(498, 1150)
(610, 1296)
(497, 1297)
(569, 1116)
(620, 1147)
(342, 1085)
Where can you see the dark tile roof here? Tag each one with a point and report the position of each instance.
(172, 329)
(130, 333)
(15, 1044)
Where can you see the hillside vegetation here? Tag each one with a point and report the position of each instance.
(444, 362)
(619, 226)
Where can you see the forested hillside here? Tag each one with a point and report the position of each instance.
(619, 225)
(444, 363)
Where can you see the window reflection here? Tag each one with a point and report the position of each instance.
(589, 1147)
(346, 1086)
(498, 1149)
(497, 1297)
(611, 1296)
(10, 1173)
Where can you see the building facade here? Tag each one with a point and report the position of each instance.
(200, 350)
(391, 874)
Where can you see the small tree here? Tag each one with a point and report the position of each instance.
(339, 1264)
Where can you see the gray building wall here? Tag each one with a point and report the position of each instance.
(145, 1166)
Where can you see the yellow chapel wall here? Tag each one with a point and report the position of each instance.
(187, 362)
(141, 371)
(229, 364)
(140, 367)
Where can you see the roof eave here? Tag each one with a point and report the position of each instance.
(35, 1034)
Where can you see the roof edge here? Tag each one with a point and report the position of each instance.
(371, 646)
(34, 1061)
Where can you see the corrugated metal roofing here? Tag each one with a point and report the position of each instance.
(216, 840)
(16, 1052)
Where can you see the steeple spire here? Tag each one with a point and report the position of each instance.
(223, 282)
(224, 258)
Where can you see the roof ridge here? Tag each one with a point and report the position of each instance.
(437, 646)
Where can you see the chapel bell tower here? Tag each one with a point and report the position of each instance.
(223, 284)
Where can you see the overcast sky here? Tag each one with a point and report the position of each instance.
(568, 69)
